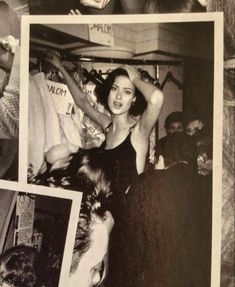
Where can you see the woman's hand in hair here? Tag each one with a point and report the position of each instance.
(132, 72)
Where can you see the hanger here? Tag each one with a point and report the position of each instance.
(145, 76)
(171, 78)
(96, 78)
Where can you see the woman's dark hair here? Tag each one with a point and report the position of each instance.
(19, 262)
(103, 91)
(173, 118)
(175, 6)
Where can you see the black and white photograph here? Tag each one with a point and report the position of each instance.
(118, 131)
(34, 230)
(125, 114)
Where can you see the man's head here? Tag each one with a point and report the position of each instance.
(193, 124)
(174, 123)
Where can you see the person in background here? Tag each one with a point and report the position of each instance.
(204, 143)
(196, 128)
(162, 237)
(174, 123)
(193, 124)
(177, 148)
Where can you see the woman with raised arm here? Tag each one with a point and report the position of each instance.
(134, 107)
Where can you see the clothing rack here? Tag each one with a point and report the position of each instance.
(91, 59)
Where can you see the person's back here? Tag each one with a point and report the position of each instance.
(156, 241)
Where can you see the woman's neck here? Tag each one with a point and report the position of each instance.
(121, 121)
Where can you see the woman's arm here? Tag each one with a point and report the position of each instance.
(78, 96)
(154, 98)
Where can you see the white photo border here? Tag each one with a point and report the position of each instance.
(217, 18)
(75, 197)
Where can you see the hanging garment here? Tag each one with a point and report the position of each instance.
(92, 133)
(36, 129)
(70, 130)
(9, 103)
(65, 107)
(52, 126)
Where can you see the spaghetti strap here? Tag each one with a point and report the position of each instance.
(132, 128)
(108, 126)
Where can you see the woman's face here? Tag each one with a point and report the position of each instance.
(121, 95)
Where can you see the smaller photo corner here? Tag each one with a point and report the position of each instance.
(36, 231)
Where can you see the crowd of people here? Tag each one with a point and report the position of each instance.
(196, 133)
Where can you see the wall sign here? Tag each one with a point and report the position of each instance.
(101, 34)
(25, 206)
